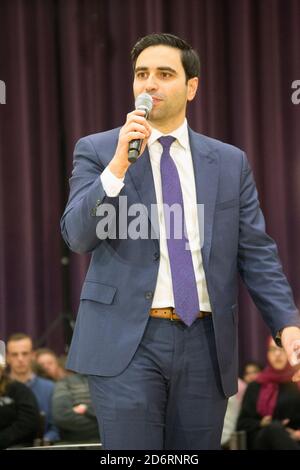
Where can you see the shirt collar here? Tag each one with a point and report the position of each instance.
(181, 135)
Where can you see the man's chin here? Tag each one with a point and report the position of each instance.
(156, 117)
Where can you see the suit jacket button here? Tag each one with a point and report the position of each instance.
(98, 202)
(148, 295)
(156, 256)
(94, 212)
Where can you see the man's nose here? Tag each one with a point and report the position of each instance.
(151, 84)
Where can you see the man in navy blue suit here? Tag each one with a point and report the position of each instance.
(157, 326)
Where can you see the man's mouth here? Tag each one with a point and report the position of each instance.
(156, 100)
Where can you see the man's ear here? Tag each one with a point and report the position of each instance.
(192, 85)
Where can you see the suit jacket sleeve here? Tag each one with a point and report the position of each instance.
(258, 261)
(79, 221)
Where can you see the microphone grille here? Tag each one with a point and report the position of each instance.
(144, 101)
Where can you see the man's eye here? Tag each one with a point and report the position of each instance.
(165, 74)
(141, 75)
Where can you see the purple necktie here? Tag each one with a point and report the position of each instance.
(182, 270)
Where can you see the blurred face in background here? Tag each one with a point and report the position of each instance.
(276, 356)
(50, 364)
(19, 356)
(251, 372)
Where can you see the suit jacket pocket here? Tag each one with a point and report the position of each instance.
(98, 292)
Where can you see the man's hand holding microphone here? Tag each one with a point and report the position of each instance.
(133, 136)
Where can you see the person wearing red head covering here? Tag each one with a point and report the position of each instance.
(270, 412)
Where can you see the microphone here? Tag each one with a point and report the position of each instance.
(144, 102)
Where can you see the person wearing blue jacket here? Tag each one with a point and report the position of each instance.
(19, 358)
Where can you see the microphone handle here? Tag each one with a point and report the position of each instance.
(134, 150)
(136, 145)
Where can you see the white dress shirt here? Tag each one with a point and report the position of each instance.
(181, 154)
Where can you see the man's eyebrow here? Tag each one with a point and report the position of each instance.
(163, 68)
(167, 69)
(140, 69)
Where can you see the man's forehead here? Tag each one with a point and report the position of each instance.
(159, 56)
(20, 345)
(46, 357)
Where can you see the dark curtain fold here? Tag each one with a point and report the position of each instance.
(31, 279)
(66, 65)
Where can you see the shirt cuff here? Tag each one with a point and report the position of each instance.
(111, 184)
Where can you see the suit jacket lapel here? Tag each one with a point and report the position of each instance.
(140, 173)
(206, 168)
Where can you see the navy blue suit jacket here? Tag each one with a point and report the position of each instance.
(120, 282)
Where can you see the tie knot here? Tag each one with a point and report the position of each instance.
(166, 141)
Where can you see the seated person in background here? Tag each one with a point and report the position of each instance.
(19, 413)
(231, 415)
(251, 371)
(49, 362)
(19, 358)
(270, 412)
(72, 410)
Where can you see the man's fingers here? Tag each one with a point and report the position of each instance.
(133, 117)
(136, 127)
(134, 131)
(295, 353)
(135, 135)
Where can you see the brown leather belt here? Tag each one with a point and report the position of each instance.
(169, 313)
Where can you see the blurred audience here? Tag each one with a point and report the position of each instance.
(251, 371)
(50, 363)
(270, 412)
(72, 410)
(232, 413)
(19, 413)
(19, 358)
